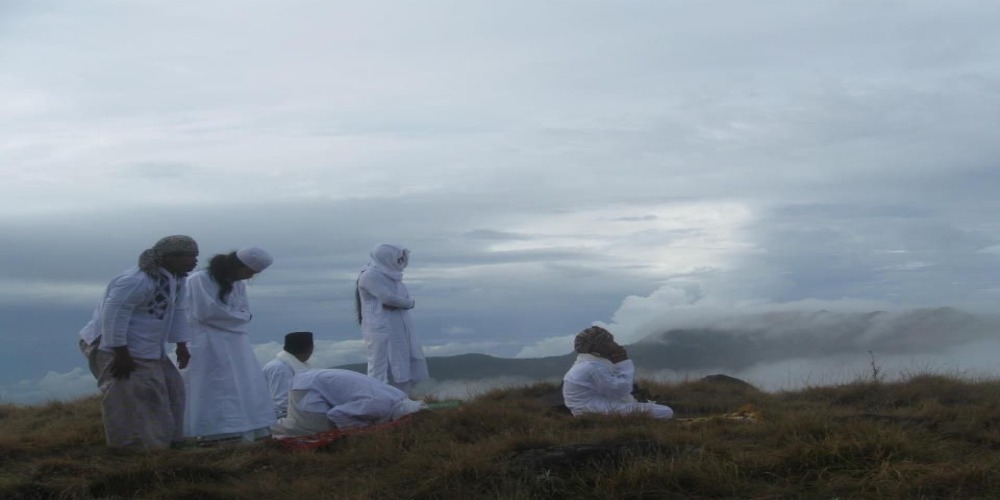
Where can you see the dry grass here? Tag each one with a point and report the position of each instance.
(927, 437)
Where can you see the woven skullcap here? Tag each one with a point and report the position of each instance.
(177, 243)
(152, 258)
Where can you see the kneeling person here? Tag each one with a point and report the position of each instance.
(324, 400)
(601, 379)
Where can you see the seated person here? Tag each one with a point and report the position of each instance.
(601, 379)
(279, 371)
(325, 400)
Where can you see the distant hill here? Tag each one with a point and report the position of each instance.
(483, 366)
(741, 342)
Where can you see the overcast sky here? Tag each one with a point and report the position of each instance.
(550, 164)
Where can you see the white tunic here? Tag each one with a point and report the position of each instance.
(347, 398)
(596, 385)
(226, 390)
(393, 347)
(127, 315)
(279, 373)
(146, 409)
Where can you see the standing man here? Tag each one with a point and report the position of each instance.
(289, 361)
(395, 356)
(142, 309)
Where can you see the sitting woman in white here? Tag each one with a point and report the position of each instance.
(602, 378)
(324, 400)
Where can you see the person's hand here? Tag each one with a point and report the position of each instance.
(122, 364)
(183, 356)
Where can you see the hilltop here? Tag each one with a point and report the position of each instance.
(930, 436)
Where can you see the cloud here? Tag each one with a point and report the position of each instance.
(552, 346)
(57, 292)
(53, 386)
(972, 361)
(994, 249)
(701, 164)
(487, 234)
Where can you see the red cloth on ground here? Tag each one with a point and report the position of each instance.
(314, 441)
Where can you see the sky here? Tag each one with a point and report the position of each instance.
(550, 165)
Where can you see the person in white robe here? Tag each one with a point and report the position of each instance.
(143, 308)
(227, 395)
(395, 355)
(333, 399)
(278, 372)
(602, 378)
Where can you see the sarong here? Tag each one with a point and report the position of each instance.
(146, 410)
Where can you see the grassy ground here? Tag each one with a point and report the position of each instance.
(927, 437)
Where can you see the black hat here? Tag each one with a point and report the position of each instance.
(297, 342)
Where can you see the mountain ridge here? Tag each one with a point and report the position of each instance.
(741, 342)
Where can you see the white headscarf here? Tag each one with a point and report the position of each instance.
(389, 260)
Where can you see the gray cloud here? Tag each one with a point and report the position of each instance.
(545, 164)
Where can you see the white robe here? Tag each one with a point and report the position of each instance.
(279, 373)
(226, 390)
(394, 352)
(596, 385)
(347, 398)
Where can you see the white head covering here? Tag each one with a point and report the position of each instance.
(390, 259)
(254, 258)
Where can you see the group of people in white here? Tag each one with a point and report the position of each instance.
(218, 392)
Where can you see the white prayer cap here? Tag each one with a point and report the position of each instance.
(254, 258)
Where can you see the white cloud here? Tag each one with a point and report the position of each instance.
(703, 165)
(455, 348)
(665, 238)
(995, 249)
(59, 292)
(459, 330)
(552, 346)
(51, 387)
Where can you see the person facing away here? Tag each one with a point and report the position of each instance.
(601, 379)
(331, 399)
(278, 372)
(383, 306)
(227, 395)
(143, 308)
